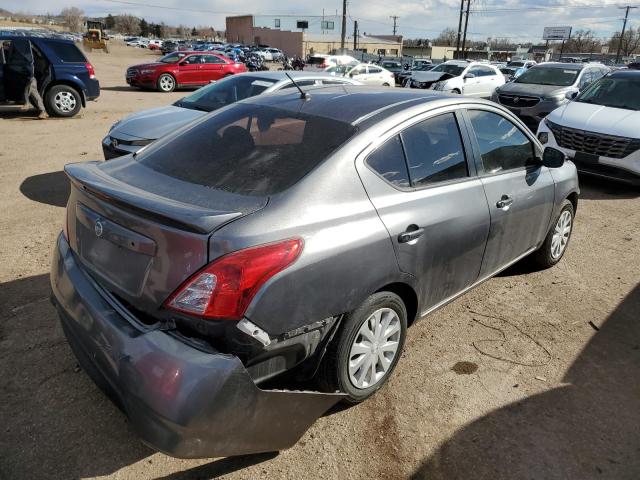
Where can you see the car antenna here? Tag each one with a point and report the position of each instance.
(303, 95)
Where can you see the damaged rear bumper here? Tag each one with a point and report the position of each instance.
(182, 401)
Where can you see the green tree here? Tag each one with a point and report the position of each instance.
(144, 28)
(109, 22)
(194, 32)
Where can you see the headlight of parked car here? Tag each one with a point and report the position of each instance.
(555, 98)
(543, 137)
(147, 72)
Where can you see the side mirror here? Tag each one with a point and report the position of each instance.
(553, 158)
(571, 95)
(470, 75)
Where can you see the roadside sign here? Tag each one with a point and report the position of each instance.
(556, 33)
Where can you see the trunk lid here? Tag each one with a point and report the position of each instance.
(140, 233)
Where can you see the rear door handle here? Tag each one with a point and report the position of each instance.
(504, 202)
(410, 235)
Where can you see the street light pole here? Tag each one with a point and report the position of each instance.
(466, 22)
(624, 26)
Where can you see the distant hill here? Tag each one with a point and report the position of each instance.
(5, 13)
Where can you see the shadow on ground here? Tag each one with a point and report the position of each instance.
(55, 422)
(51, 188)
(589, 428)
(593, 188)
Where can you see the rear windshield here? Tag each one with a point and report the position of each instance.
(224, 92)
(249, 149)
(67, 52)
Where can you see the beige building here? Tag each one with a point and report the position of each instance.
(319, 35)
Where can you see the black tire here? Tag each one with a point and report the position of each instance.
(544, 257)
(166, 83)
(333, 373)
(456, 91)
(386, 85)
(62, 101)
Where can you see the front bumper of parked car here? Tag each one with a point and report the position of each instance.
(533, 115)
(181, 400)
(626, 169)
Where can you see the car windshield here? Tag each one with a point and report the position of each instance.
(449, 68)
(516, 64)
(613, 92)
(391, 65)
(172, 57)
(549, 76)
(225, 92)
(248, 149)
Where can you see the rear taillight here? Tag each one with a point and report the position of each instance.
(90, 70)
(224, 288)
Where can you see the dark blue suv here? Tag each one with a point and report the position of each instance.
(66, 80)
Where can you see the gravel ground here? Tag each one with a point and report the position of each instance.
(531, 375)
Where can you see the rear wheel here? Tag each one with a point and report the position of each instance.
(62, 101)
(386, 85)
(557, 240)
(166, 83)
(366, 349)
(456, 91)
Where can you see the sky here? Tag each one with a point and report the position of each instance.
(518, 20)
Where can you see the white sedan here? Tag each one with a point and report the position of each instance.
(371, 75)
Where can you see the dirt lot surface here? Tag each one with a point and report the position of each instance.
(532, 375)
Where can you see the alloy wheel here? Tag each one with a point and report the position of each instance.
(374, 348)
(166, 83)
(561, 234)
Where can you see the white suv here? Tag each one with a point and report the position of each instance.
(600, 128)
(474, 79)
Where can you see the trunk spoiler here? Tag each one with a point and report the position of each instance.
(169, 200)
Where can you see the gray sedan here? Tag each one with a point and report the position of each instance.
(292, 231)
(141, 128)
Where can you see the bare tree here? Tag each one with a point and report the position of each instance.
(630, 42)
(583, 41)
(73, 19)
(447, 38)
(127, 24)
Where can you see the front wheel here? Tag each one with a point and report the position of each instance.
(166, 83)
(62, 101)
(557, 240)
(366, 349)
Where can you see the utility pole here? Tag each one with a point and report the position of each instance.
(624, 27)
(466, 22)
(355, 35)
(344, 25)
(459, 28)
(395, 18)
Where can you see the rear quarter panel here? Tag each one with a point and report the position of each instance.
(347, 254)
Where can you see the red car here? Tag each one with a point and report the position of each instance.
(182, 69)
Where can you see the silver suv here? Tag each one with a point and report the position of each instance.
(545, 87)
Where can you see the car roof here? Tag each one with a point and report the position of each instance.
(625, 74)
(36, 38)
(282, 75)
(565, 66)
(357, 105)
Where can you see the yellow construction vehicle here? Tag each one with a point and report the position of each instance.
(95, 38)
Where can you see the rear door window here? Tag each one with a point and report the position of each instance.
(388, 161)
(503, 146)
(67, 52)
(248, 149)
(434, 151)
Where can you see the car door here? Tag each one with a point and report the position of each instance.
(189, 71)
(431, 202)
(212, 68)
(520, 191)
(490, 80)
(359, 73)
(472, 87)
(374, 75)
